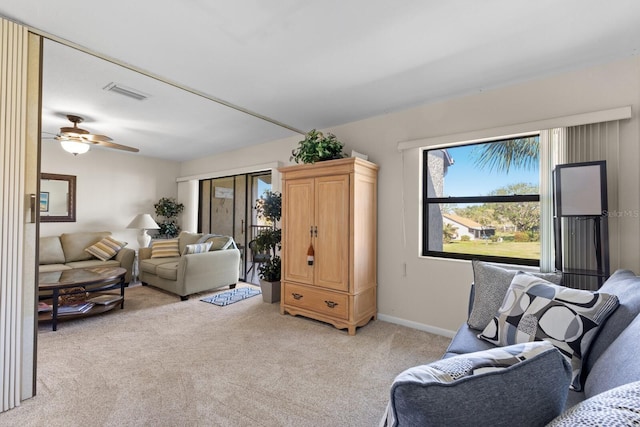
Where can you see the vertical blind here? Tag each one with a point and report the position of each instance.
(552, 153)
(597, 141)
(13, 100)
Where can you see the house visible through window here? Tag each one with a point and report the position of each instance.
(482, 201)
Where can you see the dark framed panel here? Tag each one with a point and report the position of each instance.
(581, 189)
(60, 198)
(581, 223)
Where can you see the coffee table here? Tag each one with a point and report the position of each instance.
(92, 280)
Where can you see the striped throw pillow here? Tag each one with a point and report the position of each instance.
(106, 248)
(165, 248)
(197, 248)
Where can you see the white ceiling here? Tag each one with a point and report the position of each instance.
(307, 64)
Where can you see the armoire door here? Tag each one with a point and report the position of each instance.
(298, 211)
(331, 232)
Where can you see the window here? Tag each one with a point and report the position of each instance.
(482, 201)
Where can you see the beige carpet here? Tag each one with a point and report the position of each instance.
(164, 362)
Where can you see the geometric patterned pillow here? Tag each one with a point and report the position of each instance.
(490, 283)
(106, 248)
(165, 248)
(619, 406)
(534, 309)
(197, 248)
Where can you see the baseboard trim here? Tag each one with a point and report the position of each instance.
(415, 325)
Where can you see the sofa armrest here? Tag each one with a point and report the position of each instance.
(144, 253)
(126, 257)
(223, 264)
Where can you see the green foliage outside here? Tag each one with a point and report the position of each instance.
(524, 218)
(269, 207)
(526, 250)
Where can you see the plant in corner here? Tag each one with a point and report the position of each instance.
(315, 147)
(269, 207)
(168, 209)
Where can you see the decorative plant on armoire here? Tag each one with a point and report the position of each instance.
(269, 207)
(168, 209)
(315, 147)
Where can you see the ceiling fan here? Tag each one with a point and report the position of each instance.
(77, 140)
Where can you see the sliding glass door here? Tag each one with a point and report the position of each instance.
(227, 206)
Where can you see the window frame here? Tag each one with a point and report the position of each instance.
(427, 201)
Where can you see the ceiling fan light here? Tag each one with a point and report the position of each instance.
(74, 147)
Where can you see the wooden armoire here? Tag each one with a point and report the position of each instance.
(330, 207)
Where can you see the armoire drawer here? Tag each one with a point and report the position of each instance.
(318, 300)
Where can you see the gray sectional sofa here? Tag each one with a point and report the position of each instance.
(68, 251)
(530, 387)
(184, 273)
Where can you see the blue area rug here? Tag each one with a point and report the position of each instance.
(234, 295)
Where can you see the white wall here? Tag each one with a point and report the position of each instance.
(111, 188)
(434, 293)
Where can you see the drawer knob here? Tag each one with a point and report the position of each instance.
(296, 296)
(331, 304)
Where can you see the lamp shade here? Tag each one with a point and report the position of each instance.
(74, 147)
(143, 222)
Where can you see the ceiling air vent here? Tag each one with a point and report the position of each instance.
(123, 90)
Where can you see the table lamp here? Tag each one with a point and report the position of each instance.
(143, 222)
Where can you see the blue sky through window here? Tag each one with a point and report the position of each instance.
(464, 178)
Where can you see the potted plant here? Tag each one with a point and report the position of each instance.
(315, 147)
(168, 209)
(269, 207)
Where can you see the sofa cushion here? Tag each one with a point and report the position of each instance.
(458, 390)
(466, 341)
(618, 364)
(150, 265)
(165, 248)
(46, 268)
(617, 407)
(168, 270)
(106, 248)
(196, 248)
(50, 251)
(93, 263)
(626, 286)
(490, 286)
(534, 309)
(219, 243)
(74, 244)
(187, 238)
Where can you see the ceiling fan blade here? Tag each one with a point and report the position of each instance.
(47, 135)
(109, 144)
(96, 138)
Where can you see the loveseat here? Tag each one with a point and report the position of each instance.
(586, 372)
(84, 250)
(191, 263)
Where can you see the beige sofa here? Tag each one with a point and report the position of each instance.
(67, 251)
(186, 274)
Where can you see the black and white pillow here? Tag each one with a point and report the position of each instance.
(490, 285)
(534, 309)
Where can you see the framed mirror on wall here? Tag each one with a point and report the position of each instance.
(57, 198)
